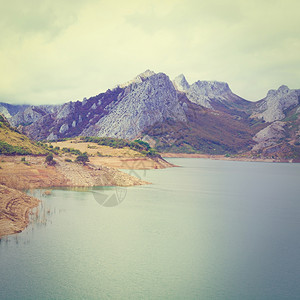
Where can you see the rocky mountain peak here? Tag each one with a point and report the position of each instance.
(212, 88)
(138, 79)
(283, 89)
(181, 83)
(146, 74)
(208, 93)
(273, 107)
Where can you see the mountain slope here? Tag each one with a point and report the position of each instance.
(153, 100)
(9, 110)
(123, 112)
(276, 104)
(205, 116)
(13, 142)
(214, 95)
(205, 131)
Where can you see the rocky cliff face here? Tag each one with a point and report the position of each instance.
(152, 100)
(9, 110)
(31, 114)
(4, 112)
(212, 94)
(274, 106)
(206, 92)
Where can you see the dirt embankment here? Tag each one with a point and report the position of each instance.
(14, 210)
(34, 173)
(132, 163)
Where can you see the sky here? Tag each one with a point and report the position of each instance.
(54, 51)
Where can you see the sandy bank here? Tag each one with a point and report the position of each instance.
(14, 210)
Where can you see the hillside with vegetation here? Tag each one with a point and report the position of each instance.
(12, 142)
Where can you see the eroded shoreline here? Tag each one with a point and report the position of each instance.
(17, 175)
(14, 210)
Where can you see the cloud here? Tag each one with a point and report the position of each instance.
(56, 51)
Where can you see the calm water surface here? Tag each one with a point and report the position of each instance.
(207, 230)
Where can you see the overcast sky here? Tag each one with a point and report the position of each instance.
(53, 51)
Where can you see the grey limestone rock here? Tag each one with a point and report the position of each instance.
(138, 79)
(4, 112)
(204, 92)
(273, 107)
(269, 136)
(30, 115)
(66, 110)
(64, 128)
(52, 137)
(154, 99)
(181, 83)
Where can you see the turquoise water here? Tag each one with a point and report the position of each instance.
(206, 230)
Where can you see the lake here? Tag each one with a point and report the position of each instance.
(205, 230)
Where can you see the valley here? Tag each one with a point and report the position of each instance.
(204, 117)
(132, 126)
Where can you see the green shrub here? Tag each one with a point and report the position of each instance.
(72, 151)
(82, 158)
(49, 160)
(137, 145)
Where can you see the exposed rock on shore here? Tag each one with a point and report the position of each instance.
(92, 175)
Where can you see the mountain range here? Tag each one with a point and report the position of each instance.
(173, 116)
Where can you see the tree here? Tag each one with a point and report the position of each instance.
(49, 160)
(82, 158)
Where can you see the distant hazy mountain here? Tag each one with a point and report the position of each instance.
(205, 116)
(9, 110)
